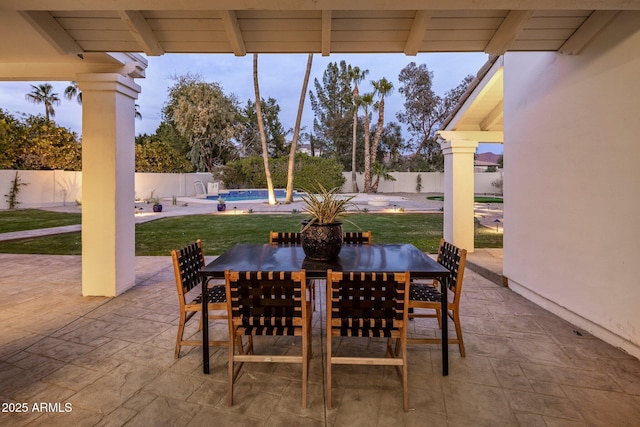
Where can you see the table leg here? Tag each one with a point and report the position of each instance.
(444, 287)
(205, 328)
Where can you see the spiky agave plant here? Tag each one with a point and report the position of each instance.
(325, 206)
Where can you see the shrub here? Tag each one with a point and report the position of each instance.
(308, 172)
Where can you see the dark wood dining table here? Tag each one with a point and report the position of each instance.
(352, 258)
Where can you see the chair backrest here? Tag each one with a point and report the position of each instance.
(186, 264)
(283, 238)
(357, 238)
(271, 302)
(454, 259)
(367, 304)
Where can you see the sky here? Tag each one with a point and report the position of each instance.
(280, 77)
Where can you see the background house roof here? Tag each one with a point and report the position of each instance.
(71, 31)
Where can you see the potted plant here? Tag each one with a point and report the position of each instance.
(221, 204)
(155, 201)
(321, 235)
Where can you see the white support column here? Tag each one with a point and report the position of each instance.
(459, 192)
(108, 172)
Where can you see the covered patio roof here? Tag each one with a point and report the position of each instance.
(77, 34)
(479, 114)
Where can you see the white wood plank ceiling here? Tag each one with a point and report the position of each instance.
(239, 27)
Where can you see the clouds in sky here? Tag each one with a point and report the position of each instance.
(280, 77)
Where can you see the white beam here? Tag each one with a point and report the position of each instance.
(323, 4)
(470, 135)
(494, 116)
(47, 26)
(590, 28)
(326, 32)
(418, 28)
(232, 28)
(507, 32)
(142, 32)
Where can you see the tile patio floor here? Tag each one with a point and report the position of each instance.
(111, 361)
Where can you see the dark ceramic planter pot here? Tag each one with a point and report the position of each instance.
(222, 208)
(321, 242)
(157, 208)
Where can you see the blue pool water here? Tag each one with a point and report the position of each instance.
(240, 195)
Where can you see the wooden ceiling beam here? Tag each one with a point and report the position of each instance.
(326, 32)
(586, 32)
(418, 29)
(504, 36)
(494, 117)
(141, 31)
(47, 26)
(232, 28)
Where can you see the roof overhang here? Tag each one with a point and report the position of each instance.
(479, 115)
(66, 33)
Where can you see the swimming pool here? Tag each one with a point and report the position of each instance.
(244, 195)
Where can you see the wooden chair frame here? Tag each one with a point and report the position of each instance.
(292, 238)
(357, 238)
(427, 296)
(284, 238)
(368, 309)
(267, 304)
(186, 264)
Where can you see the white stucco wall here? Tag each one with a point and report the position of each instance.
(572, 182)
(432, 182)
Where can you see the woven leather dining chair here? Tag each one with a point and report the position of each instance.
(284, 238)
(428, 296)
(357, 238)
(292, 238)
(368, 305)
(186, 264)
(267, 303)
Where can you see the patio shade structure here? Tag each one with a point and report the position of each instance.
(99, 45)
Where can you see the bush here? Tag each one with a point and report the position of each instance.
(159, 156)
(308, 172)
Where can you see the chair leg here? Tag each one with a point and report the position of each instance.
(231, 368)
(183, 320)
(305, 370)
(456, 322)
(329, 369)
(439, 316)
(405, 376)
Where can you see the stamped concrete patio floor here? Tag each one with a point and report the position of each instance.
(109, 362)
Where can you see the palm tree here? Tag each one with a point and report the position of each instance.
(43, 94)
(357, 76)
(136, 113)
(382, 87)
(365, 101)
(379, 171)
(72, 91)
(296, 132)
(263, 137)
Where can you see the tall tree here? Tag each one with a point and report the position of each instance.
(72, 91)
(296, 131)
(332, 104)
(205, 117)
(357, 76)
(274, 131)
(365, 102)
(393, 145)
(424, 111)
(43, 94)
(263, 138)
(382, 88)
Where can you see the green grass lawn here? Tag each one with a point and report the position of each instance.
(220, 232)
(32, 219)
